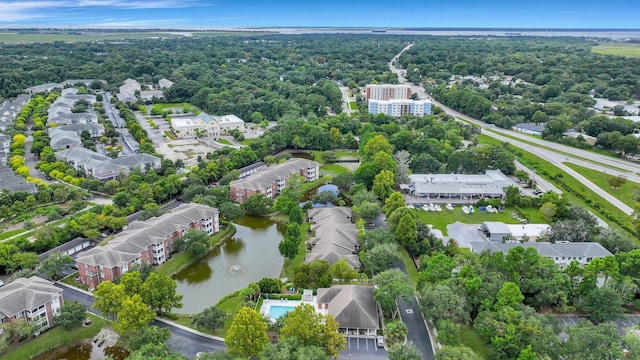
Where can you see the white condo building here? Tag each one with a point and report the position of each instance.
(398, 108)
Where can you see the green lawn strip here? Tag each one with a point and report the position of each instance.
(340, 154)
(576, 192)
(247, 142)
(54, 338)
(353, 105)
(333, 169)
(562, 152)
(71, 281)
(623, 193)
(628, 50)
(410, 266)
(229, 304)
(187, 106)
(169, 135)
(290, 266)
(181, 261)
(472, 340)
(10, 233)
(224, 141)
(441, 219)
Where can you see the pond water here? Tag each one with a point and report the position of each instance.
(250, 255)
(84, 350)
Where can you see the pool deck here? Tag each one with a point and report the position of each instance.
(268, 303)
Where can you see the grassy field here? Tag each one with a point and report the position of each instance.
(575, 191)
(340, 154)
(472, 340)
(182, 260)
(224, 141)
(8, 234)
(353, 105)
(623, 193)
(289, 267)
(54, 338)
(18, 38)
(333, 169)
(247, 142)
(184, 106)
(628, 50)
(229, 305)
(441, 219)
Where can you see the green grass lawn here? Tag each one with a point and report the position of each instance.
(8, 234)
(54, 338)
(353, 105)
(333, 169)
(289, 267)
(247, 142)
(410, 266)
(623, 193)
(472, 340)
(628, 50)
(180, 261)
(230, 305)
(441, 219)
(190, 108)
(224, 141)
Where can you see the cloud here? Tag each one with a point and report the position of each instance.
(19, 10)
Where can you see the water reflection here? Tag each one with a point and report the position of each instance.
(254, 249)
(84, 350)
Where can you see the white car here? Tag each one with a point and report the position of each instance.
(1, 283)
(380, 341)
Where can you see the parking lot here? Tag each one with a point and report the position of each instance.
(623, 324)
(363, 349)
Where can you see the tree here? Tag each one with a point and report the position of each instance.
(616, 181)
(210, 318)
(270, 286)
(383, 184)
(441, 302)
(448, 332)
(403, 158)
(374, 145)
(367, 211)
(406, 351)
(159, 293)
(55, 264)
(296, 215)
(71, 315)
(148, 335)
(392, 203)
(257, 205)
(509, 295)
(23, 260)
(343, 271)
(381, 257)
(230, 211)
(406, 232)
(392, 285)
(343, 181)
(194, 242)
(288, 247)
(313, 329)
(132, 283)
(108, 298)
(602, 304)
(396, 332)
(325, 197)
(592, 342)
(456, 353)
(247, 334)
(133, 315)
(548, 211)
(155, 352)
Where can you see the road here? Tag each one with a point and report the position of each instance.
(183, 341)
(346, 100)
(418, 331)
(573, 155)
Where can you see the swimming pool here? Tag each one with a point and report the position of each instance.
(277, 311)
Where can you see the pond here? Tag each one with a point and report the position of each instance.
(84, 350)
(250, 255)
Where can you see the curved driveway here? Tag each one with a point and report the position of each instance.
(547, 155)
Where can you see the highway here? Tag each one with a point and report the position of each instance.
(569, 154)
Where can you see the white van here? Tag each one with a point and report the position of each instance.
(380, 341)
(1, 283)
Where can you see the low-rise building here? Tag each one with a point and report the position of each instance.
(460, 186)
(61, 139)
(249, 169)
(561, 253)
(499, 231)
(33, 299)
(165, 83)
(11, 182)
(353, 307)
(102, 167)
(335, 236)
(529, 128)
(272, 179)
(150, 95)
(399, 108)
(148, 241)
(205, 125)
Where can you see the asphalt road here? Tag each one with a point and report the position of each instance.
(418, 332)
(185, 342)
(362, 349)
(569, 154)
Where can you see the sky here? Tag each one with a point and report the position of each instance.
(567, 14)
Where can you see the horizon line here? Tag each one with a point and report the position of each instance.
(239, 27)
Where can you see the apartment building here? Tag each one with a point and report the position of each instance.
(33, 299)
(387, 92)
(272, 179)
(400, 107)
(148, 241)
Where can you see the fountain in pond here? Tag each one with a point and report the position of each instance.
(237, 269)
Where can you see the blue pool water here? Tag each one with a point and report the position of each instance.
(276, 311)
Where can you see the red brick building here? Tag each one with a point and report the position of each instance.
(34, 299)
(271, 180)
(148, 241)
(387, 92)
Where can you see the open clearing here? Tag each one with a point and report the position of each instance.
(629, 50)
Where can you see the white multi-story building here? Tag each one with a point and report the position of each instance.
(206, 125)
(398, 108)
(387, 92)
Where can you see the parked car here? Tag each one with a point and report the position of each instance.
(1, 283)
(380, 341)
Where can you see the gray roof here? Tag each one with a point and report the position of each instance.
(530, 126)
(336, 237)
(490, 183)
(11, 182)
(92, 161)
(128, 244)
(43, 88)
(352, 306)
(496, 227)
(73, 118)
(26, 294)
(126, 97)
(165, 83)
(150, 94)
(79, 128)
(575, 249)
(264, 178)
(62, 138)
